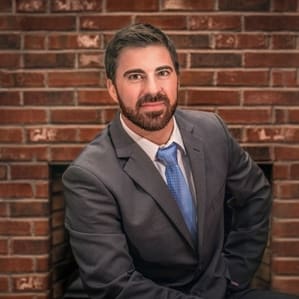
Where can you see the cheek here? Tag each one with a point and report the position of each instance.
(129, 94)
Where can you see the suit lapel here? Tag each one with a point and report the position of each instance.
(141, 169)
(194, 148)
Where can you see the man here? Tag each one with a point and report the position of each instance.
(132, 232)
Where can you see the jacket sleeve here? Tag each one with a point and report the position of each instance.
(99, 244)
(250, 206)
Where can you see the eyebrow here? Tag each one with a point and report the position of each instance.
(141, 71)
(133, 71)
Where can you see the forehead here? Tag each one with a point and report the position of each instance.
(145, 58)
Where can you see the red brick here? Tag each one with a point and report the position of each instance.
(280, 171)
(51, 23)
(10, 98)
(285, 229)
(58, 236)
(41, 228)
(34, 42)
(272, 97)
(9, 60)
(57, 203)
(49, 60)
(15, 228)
(282, 247)
(271, 23)
(4, 284)
(284, 78)
(280, 116)
(37, 23)
(215, 60)
(165, 22)
(24, 116)
(42, 264)
(61, 153)
(211, 97)
(15, 264)
(29, 209)
(21, 79)
(26, 153)
(104, 22)
(242, 78)
(293, 116)
(214, 22)
(29, 171)
(10, 41)
(286, 209)
(91, 60)
(41, 189)
(190, 5)
(191, 41)
(196, 78)
(286, 153)
(19, 296)
(27, 283)
(240, 41)
(246, 116)
(11, 135)
(51, 134)
(271, 59)
(3, 247)
(237, 5)
(272, 134)
(285, 5)
(82, 41)
(74, 116)
(15, 190)
(3, 172)
(57, 219)
(87, 134)
(288, 190)
(285, 266)
(284, 41)
(285, 284)
(31, 6)
(30, 246)
(3, 211)
(132, 6)
(48, 98)
(94, 97)
(294, 168)
(74, 79)
(75, 5)
(5, 6)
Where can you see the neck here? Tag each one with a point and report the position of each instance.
(158, 137)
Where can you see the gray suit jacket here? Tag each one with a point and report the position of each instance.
(127, 233)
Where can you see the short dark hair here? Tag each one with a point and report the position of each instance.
(136, 35)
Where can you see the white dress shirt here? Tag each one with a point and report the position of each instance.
(151, 149)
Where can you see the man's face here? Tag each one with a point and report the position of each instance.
(145, 86)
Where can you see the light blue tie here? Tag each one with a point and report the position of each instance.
(178, 186)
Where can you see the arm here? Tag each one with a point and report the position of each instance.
(251, 206)
(99, 243)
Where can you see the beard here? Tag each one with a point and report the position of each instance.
(149, 121)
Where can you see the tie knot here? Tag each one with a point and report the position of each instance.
(168, 155)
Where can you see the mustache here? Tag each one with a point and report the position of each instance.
(150, 98)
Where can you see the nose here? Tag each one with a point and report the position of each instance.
(152, 85)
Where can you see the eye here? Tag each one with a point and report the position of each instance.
(135, 77)
(164, 73)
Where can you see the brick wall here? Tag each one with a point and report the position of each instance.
(239, 59)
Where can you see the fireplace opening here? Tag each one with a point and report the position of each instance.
(62, 262)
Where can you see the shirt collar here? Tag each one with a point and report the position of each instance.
(150, 148)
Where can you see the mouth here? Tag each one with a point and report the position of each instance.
(157, 105)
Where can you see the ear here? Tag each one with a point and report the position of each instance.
(112, 90)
